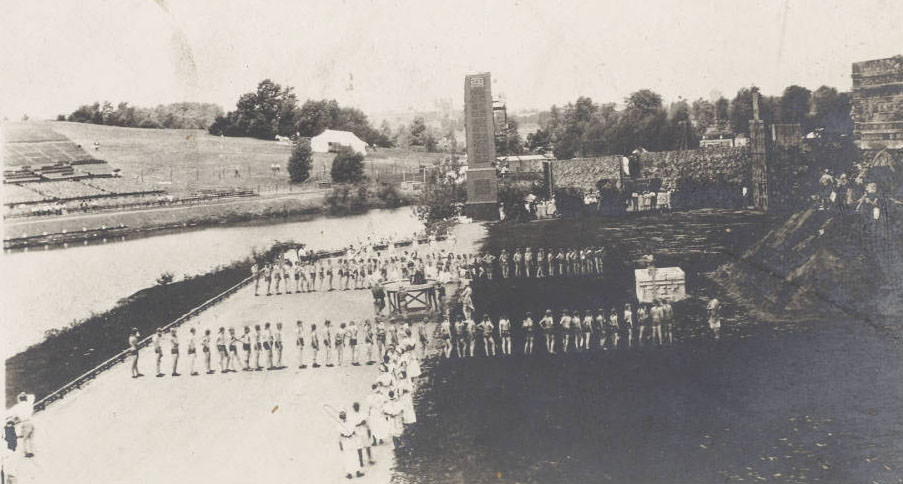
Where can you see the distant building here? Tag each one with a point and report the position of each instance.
(330, 141)
(786, 135)
(878, 103)
(716, 135)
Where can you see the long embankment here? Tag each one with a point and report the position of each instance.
(75, 355)
(93, 227)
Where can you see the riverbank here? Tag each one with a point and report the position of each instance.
(71, 351)
(151, 221)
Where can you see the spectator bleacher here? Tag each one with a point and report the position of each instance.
(36, 144)
(122, 186)
(15, 194)
(64, 189)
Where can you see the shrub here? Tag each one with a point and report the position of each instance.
(347, 167)
(346, 199)
(165, 278)
(389, 195)
(300, 162)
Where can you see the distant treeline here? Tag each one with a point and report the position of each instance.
(273, 110)
(586, 128)
(185, 115)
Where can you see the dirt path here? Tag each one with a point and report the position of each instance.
(234, 428)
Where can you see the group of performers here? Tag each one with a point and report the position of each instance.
(364, 267)
(551, 262)
(386, 410)
(262, 347)
(570, 330)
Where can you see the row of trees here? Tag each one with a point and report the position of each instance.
(273, 109)
(176, 115)
(588, 129)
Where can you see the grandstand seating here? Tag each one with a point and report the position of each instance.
(122, 186)
(64, 189)
(36, 144)
(18, 194)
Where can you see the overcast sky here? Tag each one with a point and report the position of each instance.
(399, 55)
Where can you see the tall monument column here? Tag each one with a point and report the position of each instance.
(482, 184)
(757, 153)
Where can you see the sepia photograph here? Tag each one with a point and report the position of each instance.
(451, 242)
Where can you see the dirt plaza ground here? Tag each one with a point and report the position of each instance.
(228, 428)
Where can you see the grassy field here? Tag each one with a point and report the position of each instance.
(185, 160)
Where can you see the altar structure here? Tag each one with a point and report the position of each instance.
(660, 283)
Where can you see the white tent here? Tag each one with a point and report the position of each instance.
(331, 140)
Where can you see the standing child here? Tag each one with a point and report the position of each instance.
(133, 350)
(339, 341)
(628, 323)
(174, 349)
(328, 340)
(277, 345)
(314, 345)
(268, 278)
(587, 329)
(258, 348)
(564, 325)
(192, 350)
(505, 334)
(245, 340)
(547, 325)
(268, 344)
(527, 327)
(157, 342)
(205, 348)
(352, 342)
(460, 338)
(221, 349)
(232, 360)
(299, 343)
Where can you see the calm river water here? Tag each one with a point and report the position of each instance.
(41, 290)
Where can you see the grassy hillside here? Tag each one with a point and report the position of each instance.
(185, 160)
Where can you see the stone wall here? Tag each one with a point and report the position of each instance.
(585, 173)
(878, 103)
(786, 135)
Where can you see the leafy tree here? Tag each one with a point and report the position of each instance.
(795, 105)
(345, 199)
(347, 166)
(176, 115)
(263, 113)
(703, 113)
(539, 141)
(510, 143)
(741, 110)
(831, 111)
(442, 194)
(300, 161)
